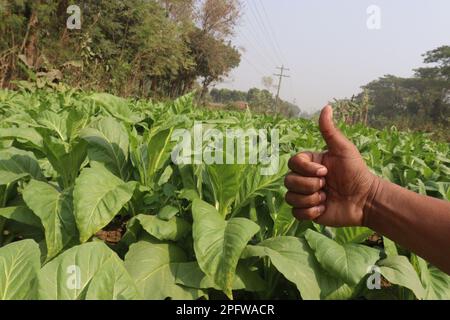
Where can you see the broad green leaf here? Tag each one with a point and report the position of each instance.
(348, 262)
(167, 213)
(283, 219)
(158, 151)
(19, 265)
(133, 234)
(192, 178)
(165, 176)
(112, 282)
(21, 214)
(351, 234)
(154, 269)
(16, 164)
(108, 145)
(398, 270)
(54, 122)
(293, 258)
(172, 230)
(190, 275)
(98, 196)
(90, 270)
(254, 183)
(66, 159)
(390, 248)
(435, 282)
(150, 156)
(218, 244)
(23, 134)
(117, 107)
(76, 120)
(224, 181)
(55, 210)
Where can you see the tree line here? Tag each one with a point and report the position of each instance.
(143, 48)
(259, 100)
(420, 102)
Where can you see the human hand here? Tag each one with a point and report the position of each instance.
(334, 187)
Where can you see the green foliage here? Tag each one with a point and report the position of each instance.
(418, 103)
(92, 207)
(89, 271)
(258, 100)
(19, 263)
(130, 48)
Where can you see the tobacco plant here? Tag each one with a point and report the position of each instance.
(92, 206)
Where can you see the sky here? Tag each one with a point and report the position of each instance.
(329, 48)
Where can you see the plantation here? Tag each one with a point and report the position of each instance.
(93, 207)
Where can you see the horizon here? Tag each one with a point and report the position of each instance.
(326, 53)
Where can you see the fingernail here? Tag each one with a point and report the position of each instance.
(322, 171)
(321, 209)
(322, 183)
(323, 196)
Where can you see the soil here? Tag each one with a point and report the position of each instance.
(113, 232)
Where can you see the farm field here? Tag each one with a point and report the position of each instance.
(93, 207)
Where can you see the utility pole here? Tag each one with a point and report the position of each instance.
(281, 75)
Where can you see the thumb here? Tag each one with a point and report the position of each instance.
(334, 138)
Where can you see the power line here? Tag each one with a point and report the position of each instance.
(259, 31)
(255, 35)
(272, 32)
(253, 66)
(266, 31)
(267, 61)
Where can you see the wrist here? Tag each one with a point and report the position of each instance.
(369, 209)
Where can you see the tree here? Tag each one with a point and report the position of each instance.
(268, 83)
(214, 55)
(417, 102)
(440, 57)
(213, 59)
(144, 48)
(218, 18)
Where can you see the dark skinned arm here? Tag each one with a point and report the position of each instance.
(335, 188)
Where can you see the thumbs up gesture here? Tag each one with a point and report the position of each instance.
(334, 187)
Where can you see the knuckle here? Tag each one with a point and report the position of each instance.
(286, 197)
(288, 181)
(304, 156)
(297, 161)
(297, 213)
(310, 214)
(318, 198)
(313, 200)
(289, 198)
(309, 185)
(293, 162)
(315, 184)
(304, 214)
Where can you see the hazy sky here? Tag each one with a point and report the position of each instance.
(328, 47)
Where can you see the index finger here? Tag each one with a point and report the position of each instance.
(308, 164)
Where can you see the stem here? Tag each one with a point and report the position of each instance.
(254, 217)
(132, 210)
(2, 226)
(274, 283)
(5, 195)
(272, 276)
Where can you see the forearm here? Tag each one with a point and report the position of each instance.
(416, 222)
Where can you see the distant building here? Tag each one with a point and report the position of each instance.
(215, 106)
(240, 105)
(236, 105)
